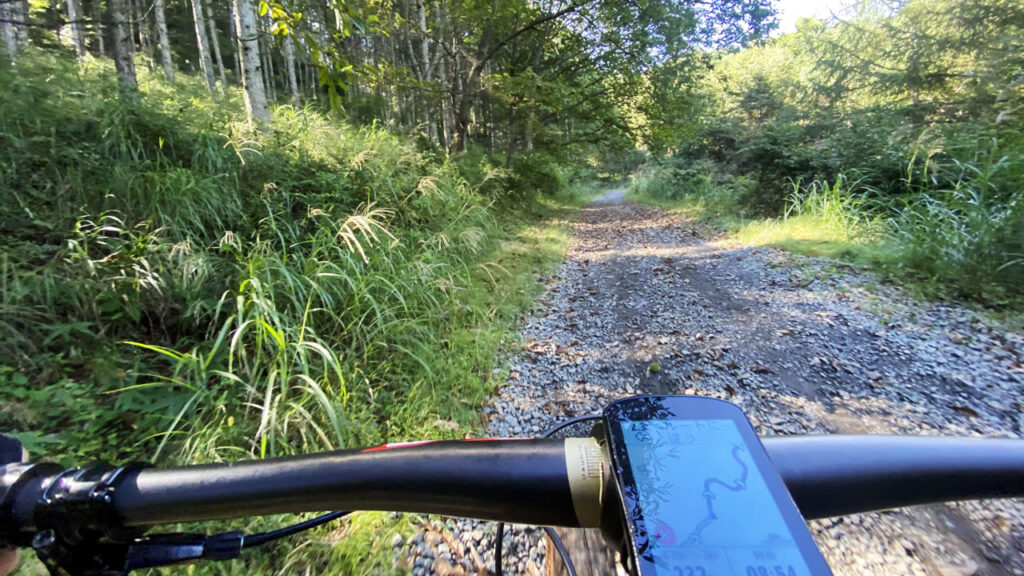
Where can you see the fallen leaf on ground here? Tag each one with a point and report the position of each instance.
(966, 410)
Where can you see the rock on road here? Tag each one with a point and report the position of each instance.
(645, 304)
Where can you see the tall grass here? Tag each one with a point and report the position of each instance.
(178, 288)
(843, 209)
(964, 227)
(218, 292)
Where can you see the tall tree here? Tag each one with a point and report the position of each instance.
(101, 49)
(247, 27)
(211, 21)
(289, 64)
(160, 15)
(203, 44)
(145, 29)
(124, 61)
(20, 22)
(75, 19)
(7, 29)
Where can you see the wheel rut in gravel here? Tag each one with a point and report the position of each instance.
(646, 304)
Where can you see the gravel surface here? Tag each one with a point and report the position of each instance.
(645, 304)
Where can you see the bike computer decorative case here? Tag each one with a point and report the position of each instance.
(699, 492)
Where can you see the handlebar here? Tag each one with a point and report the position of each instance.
(525, 481)
(544, 482)
(839, 475)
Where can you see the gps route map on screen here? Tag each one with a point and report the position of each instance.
(701, 497)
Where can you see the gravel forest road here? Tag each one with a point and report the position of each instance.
(646, 304)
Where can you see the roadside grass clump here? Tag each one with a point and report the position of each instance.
(836, 220)
(963, 230)
(179, 288)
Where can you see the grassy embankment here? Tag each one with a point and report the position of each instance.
(960, 241)
(178, 288)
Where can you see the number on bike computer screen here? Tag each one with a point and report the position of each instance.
(706, 508)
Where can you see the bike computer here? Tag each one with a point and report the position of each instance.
(699, 492)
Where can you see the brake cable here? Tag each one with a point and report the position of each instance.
(555, 539)
(261, 539)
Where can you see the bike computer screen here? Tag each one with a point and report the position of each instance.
(700, 494)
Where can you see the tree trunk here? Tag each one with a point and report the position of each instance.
(464, 111)
(271, 84)
(446, 95)
(202, 42)
(248, 45)
(145, 31)
(215, 44)
(428, 65)
(159, 14)
(289, 64)
(124, 62)
(129, 8)
(236, 55)
(7, 30)
(101, 49)
(77, 38)
(21, 22)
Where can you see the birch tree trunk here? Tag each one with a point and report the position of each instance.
(7, 15)
(75, 17)
(129, 14)
(101, 49)
(268, 56)
(427, 65)
(289, 64)
(249, 47)
(202, 42)
(236, 55)
(145, 30)
(160, 15)
(21, 22)
(215, 44)
(124, 62)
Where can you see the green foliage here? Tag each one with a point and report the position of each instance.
(182, 289)
(538, 173)
(916, 107)
(693, 183)
(963, 229)
(178, 288)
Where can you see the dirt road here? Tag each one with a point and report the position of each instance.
(645, 304)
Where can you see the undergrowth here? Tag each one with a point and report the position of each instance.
(956, 234)
(177, 288)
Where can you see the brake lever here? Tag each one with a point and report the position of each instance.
(118, 559)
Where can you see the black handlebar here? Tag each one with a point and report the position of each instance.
(839, 475)
(522, 481)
